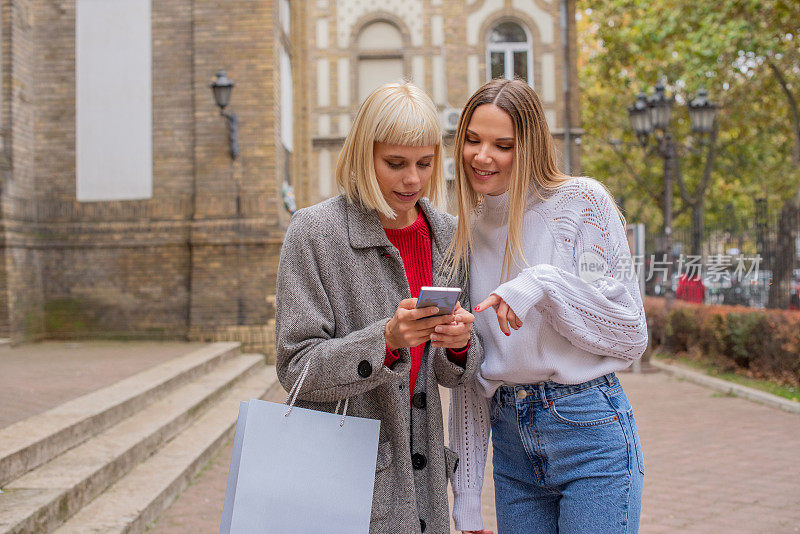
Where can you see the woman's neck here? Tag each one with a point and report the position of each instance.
(402, 220)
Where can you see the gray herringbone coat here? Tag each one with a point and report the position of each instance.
(339, 281)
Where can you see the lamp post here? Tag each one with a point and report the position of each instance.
(222, 87)
(702, 113)
(652, 116)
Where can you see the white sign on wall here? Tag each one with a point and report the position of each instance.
(113, 100)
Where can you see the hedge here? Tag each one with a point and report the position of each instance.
(762, 344)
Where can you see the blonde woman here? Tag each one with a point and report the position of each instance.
(557, 319)
(349, 274)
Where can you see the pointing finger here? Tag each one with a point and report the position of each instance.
(491, 300)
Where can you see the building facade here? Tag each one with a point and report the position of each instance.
(447, 47)
(123, 212)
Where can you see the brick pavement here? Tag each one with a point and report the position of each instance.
(38, 376)
(713, 464)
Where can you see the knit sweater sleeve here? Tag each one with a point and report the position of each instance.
(469, 429)
(595, 303)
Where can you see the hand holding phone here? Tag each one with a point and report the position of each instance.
(444, 298)
(454, 335)
(412, 325)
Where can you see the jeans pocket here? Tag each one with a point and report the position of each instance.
(583, 409)
(637, 444)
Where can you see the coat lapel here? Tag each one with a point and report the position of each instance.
(364, 227)
(365, 231)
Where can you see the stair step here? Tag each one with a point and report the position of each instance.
(143, 494)
(59, 488)
(28, 444)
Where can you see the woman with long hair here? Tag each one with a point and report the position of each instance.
(547, 253)
(350, 271)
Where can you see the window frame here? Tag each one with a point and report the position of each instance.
(508, 49)
(362, 54)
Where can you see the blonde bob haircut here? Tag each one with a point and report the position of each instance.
(396, 114)
(534, 171)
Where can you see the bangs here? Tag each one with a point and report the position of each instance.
(402, 121)
(395, 114)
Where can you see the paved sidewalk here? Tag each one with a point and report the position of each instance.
(714, 464)
(38, 376)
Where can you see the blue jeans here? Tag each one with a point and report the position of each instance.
(567, 459)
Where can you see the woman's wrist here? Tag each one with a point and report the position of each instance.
(390, 344)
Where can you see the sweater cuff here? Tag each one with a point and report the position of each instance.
(391, 357)
(521, 294)
(458, 357)
(467, 511)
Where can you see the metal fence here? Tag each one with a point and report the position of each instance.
(736, 263)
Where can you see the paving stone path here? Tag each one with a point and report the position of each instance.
(714, 464)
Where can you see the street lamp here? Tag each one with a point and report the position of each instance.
(660, 108)
(652, 116)
(640, 118)
(222, 87)
(702, 113)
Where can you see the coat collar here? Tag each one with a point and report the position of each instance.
(365, 228)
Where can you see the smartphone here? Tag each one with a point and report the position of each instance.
(444, 298)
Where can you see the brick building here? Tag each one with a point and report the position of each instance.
(122, 210)
(447, 47)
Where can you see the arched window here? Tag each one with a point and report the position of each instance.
(509, 53)
(380, 58)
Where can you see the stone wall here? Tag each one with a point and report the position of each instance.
(201, 254)
(198, 260)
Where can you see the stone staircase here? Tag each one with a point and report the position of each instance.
(113, 460)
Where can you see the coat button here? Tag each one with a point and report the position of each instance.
(418, 461)
(422, 524)
(419, 400)
(364, 369)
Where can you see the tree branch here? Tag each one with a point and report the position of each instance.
(635, 175)
(792, 107)
(687, 199)
(709, 166)
(679, 212)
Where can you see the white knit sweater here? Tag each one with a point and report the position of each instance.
(578, 323)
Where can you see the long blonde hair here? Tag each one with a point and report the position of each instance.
(534, 169)
(397, 114)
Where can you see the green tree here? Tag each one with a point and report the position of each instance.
(747, 54)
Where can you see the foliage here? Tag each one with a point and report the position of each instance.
(734, 48)
(755, 343)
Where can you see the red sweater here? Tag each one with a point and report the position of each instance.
(414, 244)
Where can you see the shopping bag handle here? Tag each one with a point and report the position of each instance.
(292, 396)
(344, 410)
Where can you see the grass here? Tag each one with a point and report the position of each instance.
(787, 392)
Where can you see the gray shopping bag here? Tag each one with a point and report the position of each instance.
(295, 470)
